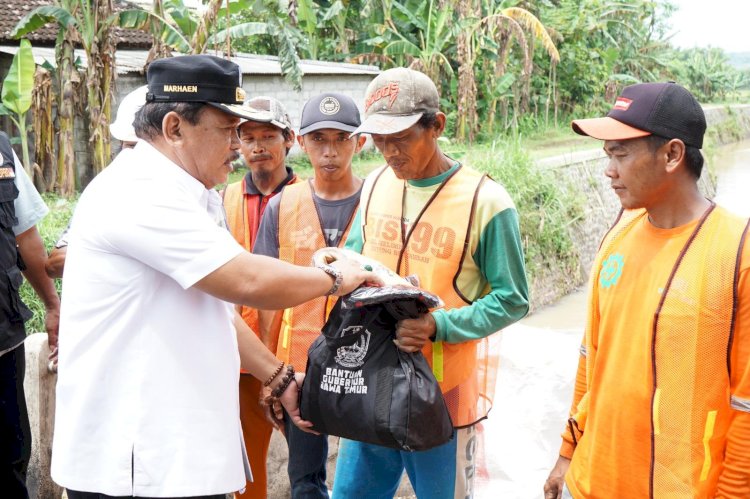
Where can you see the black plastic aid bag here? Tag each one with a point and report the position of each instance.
(360, 386)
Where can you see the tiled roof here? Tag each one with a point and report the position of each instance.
(11, 11)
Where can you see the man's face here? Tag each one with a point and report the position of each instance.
(331, 152)
(210, 146)
(408, 152)
(637, 173)
(263, 146)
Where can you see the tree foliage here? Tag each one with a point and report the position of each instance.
(500, 65)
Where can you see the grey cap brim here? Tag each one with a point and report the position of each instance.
(384, 124)
(336, 125)
(247, 114)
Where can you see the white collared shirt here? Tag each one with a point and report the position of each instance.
(147, 400)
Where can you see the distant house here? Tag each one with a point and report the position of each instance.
(261, 74)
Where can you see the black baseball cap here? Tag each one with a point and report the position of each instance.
(197, 78)
(664, 109)
(329, 110)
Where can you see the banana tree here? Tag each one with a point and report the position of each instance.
(45, 166)
(16, 95)
(427, 49)
(182, 30)
(90, 24)
(325, 27)
(533, 30)
(276, 23)
(494, 36)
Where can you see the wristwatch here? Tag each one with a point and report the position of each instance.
(333, 272)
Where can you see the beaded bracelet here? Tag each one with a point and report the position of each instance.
(273, 376)
(284, 383)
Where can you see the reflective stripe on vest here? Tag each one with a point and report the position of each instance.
(300, 235)
(691, 346)
(434, 250)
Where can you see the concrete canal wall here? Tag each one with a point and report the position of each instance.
(583, 172)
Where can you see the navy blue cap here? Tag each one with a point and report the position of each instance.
(330, 110)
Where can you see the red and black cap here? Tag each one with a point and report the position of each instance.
(664, 109)
(197, 78)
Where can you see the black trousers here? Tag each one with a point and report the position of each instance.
(15, 434)
(72, 494)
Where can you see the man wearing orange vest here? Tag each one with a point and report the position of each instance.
(305, 217)
(265, 140)
(427, 214)
(662, 397)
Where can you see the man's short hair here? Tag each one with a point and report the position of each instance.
(428, 120)
(148, 120)
(693, 157)
(287, 134)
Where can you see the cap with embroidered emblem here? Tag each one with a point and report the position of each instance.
(267, 110)
(396, 99)
(664, 109)
(197, 78)
(329, 110)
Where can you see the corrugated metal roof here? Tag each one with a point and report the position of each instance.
(268, 64)
(132, 61)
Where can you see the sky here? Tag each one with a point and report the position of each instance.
(719, 23)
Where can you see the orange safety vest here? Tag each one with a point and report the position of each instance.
(239, 226)
(434, 249)
(690, 350)
(300, 235)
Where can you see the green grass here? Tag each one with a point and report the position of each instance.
(50, 228)
(545, 207)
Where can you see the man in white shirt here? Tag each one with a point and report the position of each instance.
(147, 402)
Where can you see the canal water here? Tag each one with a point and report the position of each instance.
(538, 359)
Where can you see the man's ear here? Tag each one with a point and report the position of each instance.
(301, 142)
(440, 119)
(361, 139)
(290, 142)
(674, 150)
(171, 128)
